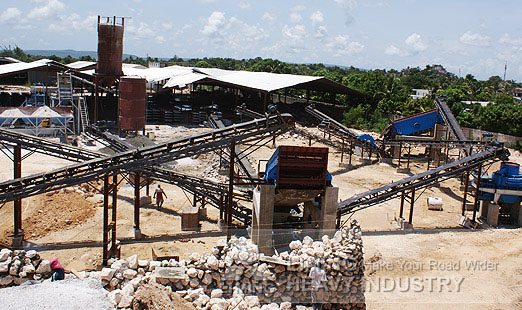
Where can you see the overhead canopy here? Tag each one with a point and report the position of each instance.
(19, 67)
(259, 81)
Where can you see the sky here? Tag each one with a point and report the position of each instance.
(478, 37)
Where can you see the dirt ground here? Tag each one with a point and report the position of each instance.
(437, 236)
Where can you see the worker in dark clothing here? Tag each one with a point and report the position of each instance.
(57, 270)
(158, 195)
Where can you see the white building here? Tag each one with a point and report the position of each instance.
(420, 93)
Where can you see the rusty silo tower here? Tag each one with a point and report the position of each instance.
(110, 55)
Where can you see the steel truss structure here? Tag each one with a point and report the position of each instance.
(421, 180)
(143, 157)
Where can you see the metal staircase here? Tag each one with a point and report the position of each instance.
(84, 114)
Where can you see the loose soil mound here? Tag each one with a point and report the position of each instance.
(55, 211)
(157, 297)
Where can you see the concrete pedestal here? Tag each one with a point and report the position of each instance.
(346, 165)
(366, 161)
(263, 218)
(310, 215)
(388, 161)
(484, 206)
(189, 219)
(145, 201)
(137, 234)
(202, 214)
(493, 212)
(403, 170)
(17, 242)
(329, 211)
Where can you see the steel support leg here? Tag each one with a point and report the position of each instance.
(18, 233)
(475, 205)
(137, 182)
(114, 214)
(105, 241)
(412, 202)
(230, 189)
(401, 210)
(465, 197)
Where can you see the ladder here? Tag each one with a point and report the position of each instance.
(84, 115)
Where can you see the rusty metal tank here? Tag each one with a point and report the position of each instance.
(131, 103)
(110, 50)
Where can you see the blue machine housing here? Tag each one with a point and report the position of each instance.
(507, 177)
(368, 138)
(416, 123)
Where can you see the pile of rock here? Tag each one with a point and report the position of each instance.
(233, 275)
(19, 266)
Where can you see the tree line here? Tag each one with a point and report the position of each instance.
(388, 91)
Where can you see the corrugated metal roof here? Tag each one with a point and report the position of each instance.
(14, 68)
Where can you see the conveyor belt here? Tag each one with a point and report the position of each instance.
(143, 157)
(192, 184)
(342, 131)
(449, 119)
(242, 160)
(421, 180)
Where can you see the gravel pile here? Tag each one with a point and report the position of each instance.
(67, 294)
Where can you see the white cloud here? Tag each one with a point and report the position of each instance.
(395, 51)
(295, 17)
(160, 39)
(214, 22)
(348, 6)
(317, 17)
(321, 32)
(298, 8)
(295, 34)
(341, 45)
(376, 4)
(415, 42)
(475, 39)
(243, 4)
(87, 23)
(10, 16)
(268, 17)
(507, 39)
(47, 11)
(142, 31)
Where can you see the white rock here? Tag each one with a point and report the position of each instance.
(4, 266)
(125, 302)
(217, 293)
(201, 301)
(212, 262)
(192, 272)
(153, 264)
(143, 263)
(295, 245)
(107, 274)
(252, 301)
(5, 254)
(307, 241)
(193, 294)
(30, 254)
(207, 279)
(285, 305)
(28, 269)
(132, 262)
(194, 257)
(44, 267)
(19, 281)
(4, 281)
(128, 289)
(129, 273)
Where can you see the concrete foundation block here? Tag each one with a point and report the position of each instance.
(403, 170)
(484, 206)
(189, 219)
(202, 214)
(493, 213)
(137, 234)
(263, 218)
(346, 165)
(366, 161)
(18, 241)
(386, 161)
(329, 211)
(405, 225)
(145, 201)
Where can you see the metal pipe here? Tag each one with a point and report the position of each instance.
(401, 210)
(465, 197)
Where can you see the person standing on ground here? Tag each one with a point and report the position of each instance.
(57, 270)
(158, 195)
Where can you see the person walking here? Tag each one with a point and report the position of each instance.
(158, 195)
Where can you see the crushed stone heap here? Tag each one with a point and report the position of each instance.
(235, 276)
